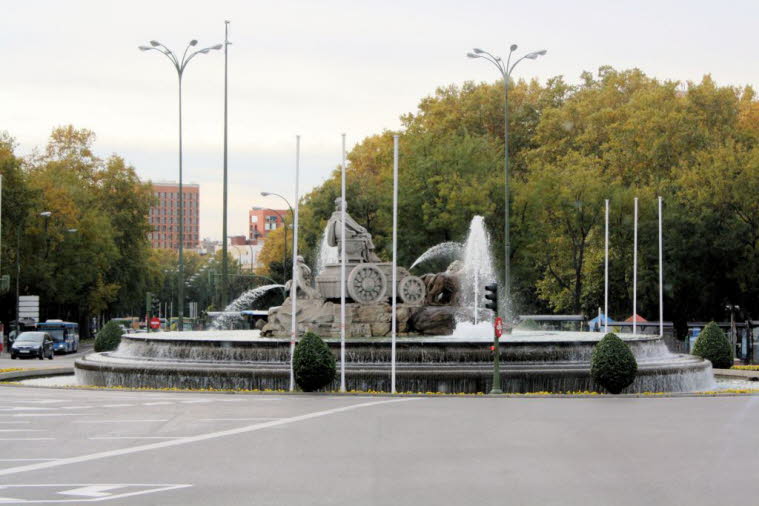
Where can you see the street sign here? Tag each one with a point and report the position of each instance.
(498, 327)
(155, 323)
(29, 307)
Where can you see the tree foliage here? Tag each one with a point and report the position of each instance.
(615, 135)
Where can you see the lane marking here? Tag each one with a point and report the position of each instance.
(159, 403)
(23, 430)
(23, 460)
(194, 439)
(26, 438)
(120, 421)
(76, 407)
(83, 493)
(117, 405)
(240, 419)
(18, 421)
(47, 414)
(138, 437)
(197, 401)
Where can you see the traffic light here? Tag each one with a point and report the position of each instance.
(155, 306)
(491, 294)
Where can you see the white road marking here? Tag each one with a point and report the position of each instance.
(18, 421)
(138, 437)
(159, 403)
(77, 407)
(117, 405)
(26, 438)
(82, 492)
(23, 430)
(239, 419)
(26, 408)
(196, 401)
(47, 414)
(23, 460)
(120, 421)
(194, 439)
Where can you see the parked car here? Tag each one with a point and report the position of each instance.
(33, 344)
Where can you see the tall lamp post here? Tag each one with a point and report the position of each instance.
(180, 65)
(505, 70)
(284, 262)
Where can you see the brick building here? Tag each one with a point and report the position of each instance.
(261, 221)
(164, 216)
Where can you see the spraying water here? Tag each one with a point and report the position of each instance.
(478, 267)
(244, 301)
(446, 250)
(327, 254)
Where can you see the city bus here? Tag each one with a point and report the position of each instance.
(65, 335)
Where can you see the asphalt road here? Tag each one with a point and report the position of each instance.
(58, 360)
(139, 448)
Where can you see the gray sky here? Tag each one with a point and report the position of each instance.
(317, 69)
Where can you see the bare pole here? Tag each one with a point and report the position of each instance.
(294, 282)
(342, 270)
(395, 262)
(635, 270)
(606, 272)
(661, 275)
(224, 261)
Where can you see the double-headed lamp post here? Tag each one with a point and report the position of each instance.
(180, 65)
(505, 70)
(292, 213)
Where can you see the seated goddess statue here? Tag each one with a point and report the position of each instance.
(359, 247)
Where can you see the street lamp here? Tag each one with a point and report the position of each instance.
(284, 260)
(505, 71)
(180, 65)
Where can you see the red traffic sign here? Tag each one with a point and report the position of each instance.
(498, 327)
(155, 323)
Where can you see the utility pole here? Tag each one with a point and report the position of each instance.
(224, 261)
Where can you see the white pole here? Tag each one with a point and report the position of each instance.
(635, 270)
(342, 273)
(395, 253)
(294, 282)
(1, 224)
(606, 272)
(661, 278)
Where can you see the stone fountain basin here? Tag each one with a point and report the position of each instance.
(531, 361)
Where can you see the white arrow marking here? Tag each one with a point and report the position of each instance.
(91, 491)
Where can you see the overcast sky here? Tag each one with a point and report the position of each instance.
(316, 68)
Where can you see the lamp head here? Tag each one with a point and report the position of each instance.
(72, 230)
(193, 42)
(471, 55)
(155, 43)
(513, 47)
(217, 47)
(46, 214)
(265, 194)
(143, 48)
(478, 50)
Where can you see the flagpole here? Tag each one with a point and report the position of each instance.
(294, 281)
(661, 275)
(395, 261)
(342, 271)
(606, 272)
(635, 270)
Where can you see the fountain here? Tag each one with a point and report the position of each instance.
(244, 301)
(443, 344)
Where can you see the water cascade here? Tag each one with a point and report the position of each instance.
(445, 250)
(478, 267)
(327, 254)
(244, 301)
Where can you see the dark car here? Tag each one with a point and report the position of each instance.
(33, 344)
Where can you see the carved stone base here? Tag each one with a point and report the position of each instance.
(323, 318)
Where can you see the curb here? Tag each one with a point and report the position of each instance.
(36, 373)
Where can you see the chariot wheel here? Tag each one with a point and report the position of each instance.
(412, 290)
(367, 284)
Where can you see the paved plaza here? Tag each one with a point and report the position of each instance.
(125, 447)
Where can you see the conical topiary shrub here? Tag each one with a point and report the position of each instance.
(109, 337)
(713, 345)
(313, 363)
(612, 365)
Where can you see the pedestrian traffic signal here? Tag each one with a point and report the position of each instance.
(155, 306)
(491, 294)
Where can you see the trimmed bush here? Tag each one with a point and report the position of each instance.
(109, 337)
(713, 345)
(313, 364)
(612, 365)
